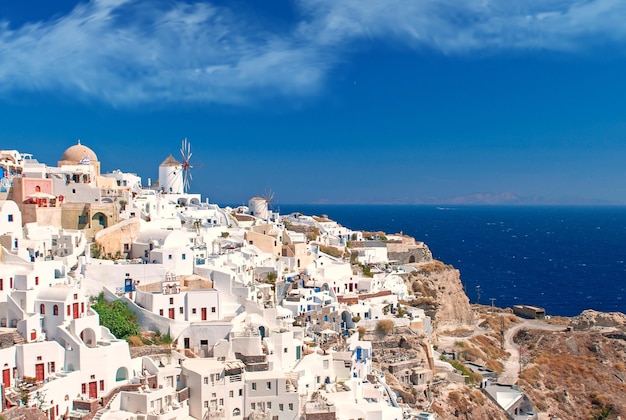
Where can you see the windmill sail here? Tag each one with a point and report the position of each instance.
(186, 153)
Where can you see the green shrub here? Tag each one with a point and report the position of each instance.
(116, 317)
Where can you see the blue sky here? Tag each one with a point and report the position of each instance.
(352, 101)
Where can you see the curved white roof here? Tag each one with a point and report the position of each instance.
(57, 293)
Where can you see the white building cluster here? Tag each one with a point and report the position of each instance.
(263, 321)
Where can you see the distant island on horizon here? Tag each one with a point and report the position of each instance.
(479, 199)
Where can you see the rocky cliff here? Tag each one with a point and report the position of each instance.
(438, 290)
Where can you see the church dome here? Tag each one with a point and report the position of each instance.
(78, 152)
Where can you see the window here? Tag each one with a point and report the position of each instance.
(101, 385)
(236, 412)
(171, 301)
(231, 394)
(36, 280)
(240, 392)
(290, 406)
(281, 407)
(10, 217)
(75, 296)
(161, 312)
(169, 256)
(206, 404)
(1, 284)
(55, 310)
(285, 350)
(213, 309)
(68, 309)
(183, 256)
(269, 405)
(83, 388)
(180, 310)
(254, 386)
(269, 385)
(42, 309)
(221, 401)
(252, 406)
(206, 380)
(193, 311)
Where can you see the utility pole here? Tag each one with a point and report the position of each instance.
(502, 332)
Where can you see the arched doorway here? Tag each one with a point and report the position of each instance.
(99, 220)
(121, 374)
(89, 337)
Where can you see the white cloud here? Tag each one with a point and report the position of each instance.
(126, 52)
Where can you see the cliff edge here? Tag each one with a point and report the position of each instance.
(437, 289)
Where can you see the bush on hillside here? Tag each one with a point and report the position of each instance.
(116, 317)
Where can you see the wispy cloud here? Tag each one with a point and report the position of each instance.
(129, 52)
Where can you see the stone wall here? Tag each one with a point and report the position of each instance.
(117, 239)
(409, 253)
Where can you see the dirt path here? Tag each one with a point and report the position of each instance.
(510, 375)
(512, 365)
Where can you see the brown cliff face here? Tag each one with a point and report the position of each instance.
(438, 290)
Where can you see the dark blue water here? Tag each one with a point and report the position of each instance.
(565, 259)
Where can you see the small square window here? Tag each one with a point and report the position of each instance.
(254, 386)
(183, 256)
(171, 301)
(161, 312)
(193, 310)
(269, 385)
(290, 406)
(10, 217)
(169, 257)
(213, 309)
(181, 310)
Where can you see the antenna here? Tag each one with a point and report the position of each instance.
(185, 151)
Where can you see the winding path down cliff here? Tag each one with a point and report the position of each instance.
(512, 365)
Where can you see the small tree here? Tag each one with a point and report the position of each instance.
(361, 331)
(384, 326)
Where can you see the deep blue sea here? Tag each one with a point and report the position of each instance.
(565, 259)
